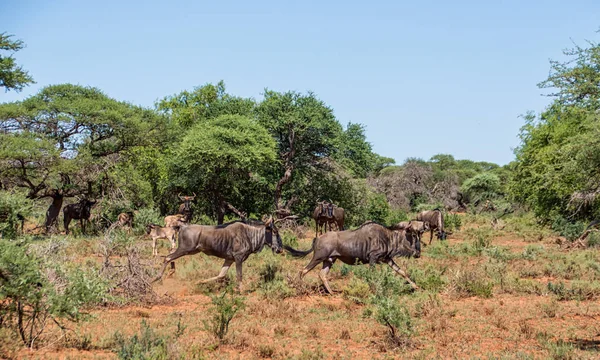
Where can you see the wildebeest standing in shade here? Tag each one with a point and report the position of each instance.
(78, 211)
(323, 212)
(327, 213)
(125, 219)
(185, 209)
(233, 241)
(435, 219)
(371, 243)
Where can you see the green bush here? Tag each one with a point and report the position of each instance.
(471, 282)
(224, 308)
(13, 208)
(452, 222)
(397, 319)
(28, 298)
(144, 217)
(378, 209)
(383, 280)
(357, 291)
(145, 345)
(396, 216)
(569, 230)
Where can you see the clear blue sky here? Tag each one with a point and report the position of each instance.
(425, 77)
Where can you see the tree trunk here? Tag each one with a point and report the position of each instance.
(279, 187)
(53, 210)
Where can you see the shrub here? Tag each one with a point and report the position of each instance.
(29, 300)
(397, 319)
(378, 208)
(396, 216)
(13, 208)
(272, 282)
(145, 345)
(144, 217)
(569, 230)
(382, 280)
(357, 291)
(452, 222)
(472, 283)
(224, 308)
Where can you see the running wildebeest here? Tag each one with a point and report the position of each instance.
(156, 232)
(435, 219)
(371, 243)
(327, 213)
(233, 241)
(185, 209)
(78, 211)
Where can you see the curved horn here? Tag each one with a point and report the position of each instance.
(179, 195)
(194, 195)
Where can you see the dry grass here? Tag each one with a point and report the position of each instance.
(482, 299)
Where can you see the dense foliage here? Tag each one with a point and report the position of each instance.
(557, 170)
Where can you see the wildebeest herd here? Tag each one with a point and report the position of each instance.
(371, 243)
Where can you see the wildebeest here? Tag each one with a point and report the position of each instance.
(371, 243)
(175, 220)
(414, 226)
(125, 219)
(233, 241)
(327, 213)
(435, 219)
(156, 232)
(80, 210)
(185, 209)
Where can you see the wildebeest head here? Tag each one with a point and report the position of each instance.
(270, 231)
(411, 241)
(441, 235)
(186, 201)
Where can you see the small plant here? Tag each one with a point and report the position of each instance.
(311, 354)
(357, 291)
(397, 319)
(550, 309)
(561, 350)
(224, 309)
(569, 230)
(472, 283)
(145, 345)
(266, 351)
(452, 222)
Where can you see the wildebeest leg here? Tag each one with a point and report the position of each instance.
(311, 265)
(238, 270)
(397, 269)
(323, 274)
(66, 222)
(154, 252)
(170, 258)
(82, 225)
(222, 273)
(430, 236)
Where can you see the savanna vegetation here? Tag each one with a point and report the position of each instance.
(515, 279)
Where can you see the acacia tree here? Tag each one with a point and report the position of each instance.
(223, 160)
(12, 76)
(60, 142)
(306, 133)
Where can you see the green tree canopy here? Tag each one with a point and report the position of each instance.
(65, 140)
(12, 76)
(224, 160)
(557, 170)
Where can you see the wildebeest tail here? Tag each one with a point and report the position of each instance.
(592, 224)
(299, 253)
